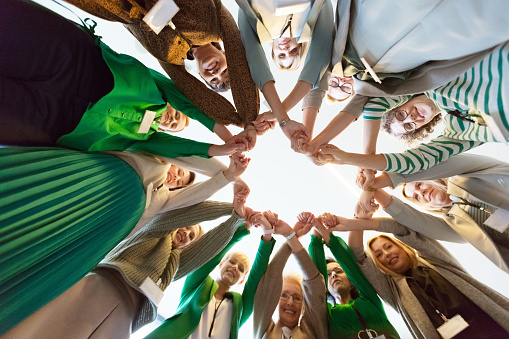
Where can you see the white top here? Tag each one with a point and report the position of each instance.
(276, 24)
(222, 324)
(395, 36)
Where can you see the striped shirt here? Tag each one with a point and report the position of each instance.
(479, 90)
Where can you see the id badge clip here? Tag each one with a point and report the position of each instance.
(148, 120)
(452, 327)
(499, 220)
(160, 15)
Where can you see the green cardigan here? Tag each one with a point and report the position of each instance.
(112, 123)
(343, 322)
(199, 289)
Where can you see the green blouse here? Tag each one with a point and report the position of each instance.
(112, 123)
(343, 322)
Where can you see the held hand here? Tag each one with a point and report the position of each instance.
(365, 178)
(257, 219)
(324, 159)
(250, 134)
(304, 224)
(236, 144)
(329, 219)
(292, 127)
(282, 228)
(239, 199)
(337, 153)
(271, 217)
(238, 165)
(307, 147)
(264, 122)
(366, 206)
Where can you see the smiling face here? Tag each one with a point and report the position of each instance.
(173, 120)
(285, 50)
(390, 255)
(233, 268)
(413, 114)
(427, 194)
(185, 235)
(337, 280)
(340, 88)
(177, 177)
(212, 66)
(290, 304)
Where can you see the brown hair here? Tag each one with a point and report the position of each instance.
(419, 134)
(297, 61)
(354, 294)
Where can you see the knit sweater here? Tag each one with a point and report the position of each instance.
(198, 22)
(314, 319)
(146, 254)
(397, 293)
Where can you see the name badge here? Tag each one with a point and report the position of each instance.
(499, 220)
(147, 121)
(160, 15)
(452, 327)
(152, 291)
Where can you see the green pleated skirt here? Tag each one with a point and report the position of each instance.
(61, 212)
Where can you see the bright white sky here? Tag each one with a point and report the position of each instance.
(286, 182)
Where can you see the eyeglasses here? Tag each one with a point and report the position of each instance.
(296, 297)
(401, 116)
(336, 270)
(345, 87)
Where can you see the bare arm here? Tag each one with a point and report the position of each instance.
(298, 92)
(222, 132)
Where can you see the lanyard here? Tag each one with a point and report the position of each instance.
(226, 296)
(364, 325)
(464, 202)
(430, 302)
(289, 19)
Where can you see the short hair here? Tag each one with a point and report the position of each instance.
(440, 183)
(192, 177)
(297, 61)
(411, 252)
(244, 258)
(419, 134)
(354, 294)
(294, 278)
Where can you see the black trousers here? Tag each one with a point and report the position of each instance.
(50, 71)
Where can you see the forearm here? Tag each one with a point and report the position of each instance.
(222, 132)
(356, 239)
(368, 161)
(382, 181)
(309, 115)
(383, 198)
(277, 107)
(295, 244)
(370, 129)
(299, 91)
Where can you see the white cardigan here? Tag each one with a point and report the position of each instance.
(472, 177)
(153, 169)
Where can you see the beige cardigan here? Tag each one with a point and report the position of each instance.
(314, 322)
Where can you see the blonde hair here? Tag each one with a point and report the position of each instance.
(411, 252)
(293, 277)
(198, 235)
(297, 61)
(240, 256)
(440, 184)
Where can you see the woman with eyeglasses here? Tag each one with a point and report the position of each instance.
(355, 310)
(300, 301)
(468, 196)
(296, 33)
(420, 279)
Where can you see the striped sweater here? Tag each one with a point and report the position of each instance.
(481, 89)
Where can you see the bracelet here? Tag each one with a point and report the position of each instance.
(271, 231)
(284, 122)
(290, 236)
(370, 189)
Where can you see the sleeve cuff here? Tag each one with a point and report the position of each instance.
(396, 178)
(396, 207)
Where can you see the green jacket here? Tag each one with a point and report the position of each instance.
(112, 123)
(343, 322)
(199, 289)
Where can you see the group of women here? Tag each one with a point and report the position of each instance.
(100, 211)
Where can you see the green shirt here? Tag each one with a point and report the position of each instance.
(199, 289)
(112, 123)
(343, 322)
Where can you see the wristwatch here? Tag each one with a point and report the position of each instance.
(284, 122)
